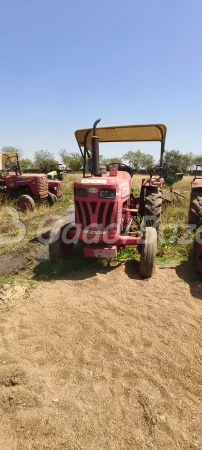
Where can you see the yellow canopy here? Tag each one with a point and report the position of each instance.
(4, 159)
(122, 133)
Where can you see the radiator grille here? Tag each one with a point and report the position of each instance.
(87, 215)
(101, 212)
(42, 187)
(104, 213)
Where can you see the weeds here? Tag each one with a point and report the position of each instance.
(177, 243)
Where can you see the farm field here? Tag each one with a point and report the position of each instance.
(91, 355)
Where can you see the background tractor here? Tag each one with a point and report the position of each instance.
(55, 176)
(195, 216)
(27, 188)
(56, 172)
(107, 215)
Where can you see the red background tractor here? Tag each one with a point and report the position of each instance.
(25, 188)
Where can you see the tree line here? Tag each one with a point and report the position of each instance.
(44, 160)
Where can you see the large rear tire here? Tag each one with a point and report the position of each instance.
(153, 208)
(57, 247)
(195, 209)
(148, 253)
(25, 203)
(198, 253)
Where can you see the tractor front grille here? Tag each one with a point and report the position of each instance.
(42, 187)
(104, 213)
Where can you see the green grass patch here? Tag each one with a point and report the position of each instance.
(11, 279)
(128, 253)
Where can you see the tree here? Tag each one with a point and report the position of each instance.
(64, 156)
(7, 149)
(197, 160)
(44, 160)
(73, 161)
(26, 164)
(177, 161)
(147, 161)
(134, 159)
(139, 160)
(189, 161)
(107, 161)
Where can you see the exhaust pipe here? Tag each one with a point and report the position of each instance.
(95, 151)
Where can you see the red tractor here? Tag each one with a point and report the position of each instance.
(54, 188)
(107, 215)
(25, 188)
(195, 217)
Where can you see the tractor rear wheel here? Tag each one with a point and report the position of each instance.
(148, 253)
(57, 247)
(153, 207)
(52, 198)
(25, 203)
(195, 209)
(198, 253)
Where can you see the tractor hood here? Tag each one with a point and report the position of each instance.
(5, 159)
(122, 133)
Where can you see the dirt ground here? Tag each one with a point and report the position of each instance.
(102, 361)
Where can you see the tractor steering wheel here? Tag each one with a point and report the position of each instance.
(118, 164)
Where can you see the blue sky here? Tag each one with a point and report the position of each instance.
(64, 64)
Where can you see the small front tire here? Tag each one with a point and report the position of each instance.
(52, 198)
(148, 253)
(25, 203)
(57, 247)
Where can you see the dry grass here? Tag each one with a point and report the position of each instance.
(174, 226)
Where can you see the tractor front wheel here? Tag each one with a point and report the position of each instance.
(52, 198)
(25, 203)
(148, 253)
(58, 248)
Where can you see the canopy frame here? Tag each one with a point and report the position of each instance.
(121, 133)
(8, 157)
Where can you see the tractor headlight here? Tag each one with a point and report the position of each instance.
(80, 192)
(107, 193)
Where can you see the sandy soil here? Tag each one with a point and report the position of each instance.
(102, 361)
